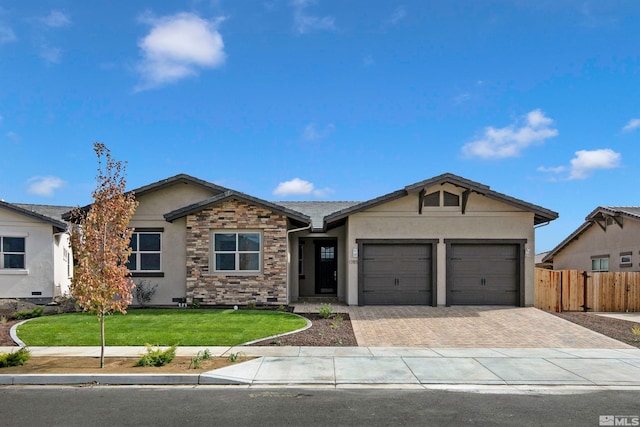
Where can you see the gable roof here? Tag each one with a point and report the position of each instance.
(159, 185)
(541, 215)
(236, 195)
(317, 210)
(601, 212)
(44, 213)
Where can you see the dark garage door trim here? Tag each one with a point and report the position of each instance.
(434, 258)
(521, 243)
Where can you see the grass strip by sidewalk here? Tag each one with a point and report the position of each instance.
(192, 327)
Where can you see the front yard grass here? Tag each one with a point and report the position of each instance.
(193, 327)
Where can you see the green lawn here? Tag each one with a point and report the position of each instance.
(159, 327)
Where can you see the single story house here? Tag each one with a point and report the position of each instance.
(35, 260)
(608, 240)
(443, 241)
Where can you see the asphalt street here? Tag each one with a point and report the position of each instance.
(236, 406)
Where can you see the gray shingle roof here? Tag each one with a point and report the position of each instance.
(316, 210)
(48, 213)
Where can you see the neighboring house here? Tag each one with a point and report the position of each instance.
(609, 240)
(443, 241)
(35, 255)
(543, 265)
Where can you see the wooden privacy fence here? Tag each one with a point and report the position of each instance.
(572, 290)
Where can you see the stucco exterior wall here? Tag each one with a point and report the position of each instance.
(149, 214)
(211, 288)
(399, 219)
(39, 273)
(595, 241)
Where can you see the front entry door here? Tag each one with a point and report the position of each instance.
(326, 267)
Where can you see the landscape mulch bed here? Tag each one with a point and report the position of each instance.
(617, 329)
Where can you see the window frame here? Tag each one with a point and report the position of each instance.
(3, 253)
(137, 253)
(599, 259)
(236, 252)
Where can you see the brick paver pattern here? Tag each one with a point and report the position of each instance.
(473, 327)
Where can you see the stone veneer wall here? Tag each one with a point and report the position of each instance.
(267, 287)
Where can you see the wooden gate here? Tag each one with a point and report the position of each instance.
(574, 290)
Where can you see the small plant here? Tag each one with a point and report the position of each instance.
(251, 305)
(144, 292)
(337, 321)
(199, 358)
(282, 308)
(15, 358)
(3, 320)
(195, 303)
(325, 311)
(636, 333)
(156, 356)
(339, 341)
(29, 314)
(277, 342)
(233, 357)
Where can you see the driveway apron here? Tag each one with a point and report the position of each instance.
(470, 327)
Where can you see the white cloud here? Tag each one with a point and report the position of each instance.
(586, 162)
(398, 15)
(178, 46)
(313, 133)
(56, 19)
(632, 125)
(510, 141)
(44, 185)
(51, 55)
(300, 187)
(7, 35)
(305, 23)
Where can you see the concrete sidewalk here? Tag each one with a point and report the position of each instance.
(349, 366)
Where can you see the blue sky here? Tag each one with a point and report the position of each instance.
(325, 100)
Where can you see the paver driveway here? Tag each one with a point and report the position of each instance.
(454, 327)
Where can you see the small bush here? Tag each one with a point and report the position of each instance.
(636, 332)
(199, 358)
(15, 358)
(30, 314)
(325, 311)
(251, 305)
(233, 357)
(157, 357)
(144, 292)
(282, 308)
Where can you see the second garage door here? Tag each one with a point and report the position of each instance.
(483, 274)
(396, 273)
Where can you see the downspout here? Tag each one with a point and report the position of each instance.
(289, 255)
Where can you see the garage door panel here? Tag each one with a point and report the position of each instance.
(483, 274)
(396, 274)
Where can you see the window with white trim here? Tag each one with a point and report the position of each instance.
(146, 251)
(239, 251)
(12, 252)
(600, 263)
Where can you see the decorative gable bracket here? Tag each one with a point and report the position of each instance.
(604, 220)
(463, 204)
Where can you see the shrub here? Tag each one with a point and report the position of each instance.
(15, 358)
(30, 314)
(251, 305)
(157, 357)
(636, 332)
(199, 358)
(144, 292)
(325, 311)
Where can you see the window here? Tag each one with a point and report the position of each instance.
(625, 259)
(432, 199)
(600, 263)
(12, 250)
(237, 251)
(450, 199)
(146, 250)
(301, 259)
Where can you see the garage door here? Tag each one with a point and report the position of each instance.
(396, 274)
(483, 274)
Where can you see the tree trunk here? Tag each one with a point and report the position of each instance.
(102, 340)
